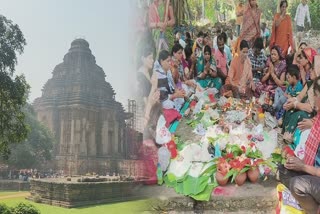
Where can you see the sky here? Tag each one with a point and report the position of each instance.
(49, 27)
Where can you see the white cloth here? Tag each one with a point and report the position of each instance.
(182, 43)
(301, 13)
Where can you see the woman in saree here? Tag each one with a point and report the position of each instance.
(300, 107)
(274, 73)
(160, 18)
(207, 72)
(282, 29)
(305, 63)
(251, 25)
(239, 83)
(296, 59)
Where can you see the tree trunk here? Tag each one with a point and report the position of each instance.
(203, 11)
(179, 11)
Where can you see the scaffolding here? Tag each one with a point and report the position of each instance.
(132, 109)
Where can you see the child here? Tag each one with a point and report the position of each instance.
(292, 90)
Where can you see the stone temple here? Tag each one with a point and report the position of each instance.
(80, 109)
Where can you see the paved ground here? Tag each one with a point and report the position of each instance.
(249, 198)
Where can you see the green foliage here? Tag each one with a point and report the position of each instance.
(268, 8)
(13, 95)
(314, 8)
(23, 208)
(11, 41)
(13, 90)
(234, 149)
(4, 209)
(277, 158)
(194, 122)
(38, 146)
(250, 153)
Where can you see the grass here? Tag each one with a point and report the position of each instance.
(123, 207)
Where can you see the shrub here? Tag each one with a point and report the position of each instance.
(4, 209)
(37, 198)
(23, 208)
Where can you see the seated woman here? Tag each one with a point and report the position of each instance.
(207, 72)
(163, 89)
(296, 59)
(179, 65)
(274, 74)
(305, 63)
(299, 108)
(302, 177)
(239, 82)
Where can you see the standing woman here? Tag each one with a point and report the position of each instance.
(160, 18)
(282, 29)
(250, 26)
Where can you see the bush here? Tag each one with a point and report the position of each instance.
(4, 209)
(37, 198)
(23, 208)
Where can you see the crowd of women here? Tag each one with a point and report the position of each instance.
(289, 77)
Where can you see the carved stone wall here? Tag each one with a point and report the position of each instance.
(80, 109)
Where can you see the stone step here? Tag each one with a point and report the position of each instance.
(249, 198)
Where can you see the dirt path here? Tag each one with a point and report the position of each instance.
(24, 194)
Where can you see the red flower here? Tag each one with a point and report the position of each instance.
(172, 147)
(257, 162)
(223, 166)
(211, 97)
(249, 137)
(193, 104)
(243, 148)
(229, 156)
(235, 164)
(227, 105)
(288, 152)
(252, 144)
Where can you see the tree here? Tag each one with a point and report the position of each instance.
(268, 8)
(37, 149)
(13, 89)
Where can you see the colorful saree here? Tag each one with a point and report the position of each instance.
(270, 85)
(282, 35)
(250, 27)
(293, 116)
(209, 81)
(240, 78)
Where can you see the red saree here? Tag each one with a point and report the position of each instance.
(282, 35)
